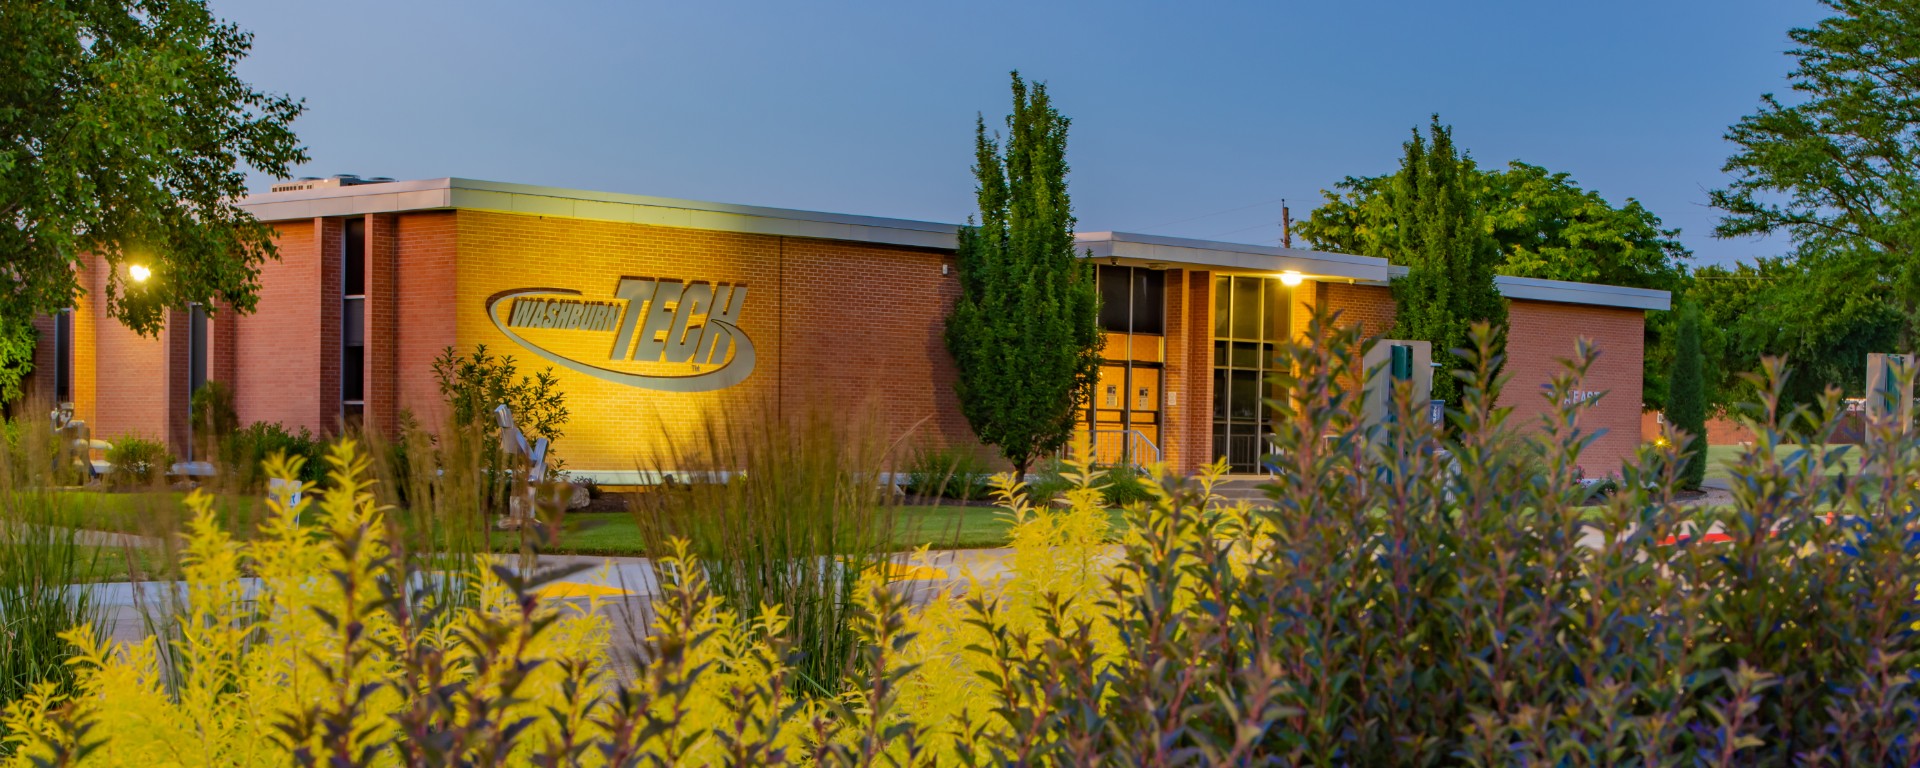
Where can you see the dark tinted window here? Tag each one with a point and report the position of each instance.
(63, 356)
(196, 348)
(355, 257)
(1115, 305)
(1149, 301)
(353, 364)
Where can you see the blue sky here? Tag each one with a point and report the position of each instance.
(1189, 119)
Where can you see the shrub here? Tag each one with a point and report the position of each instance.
(214, 419)
(1125, 485)
(953, 472)
(1118, 485)
(246, 451)
(473, 385)
(1048, 485)
(137, 461)
(1391, 606)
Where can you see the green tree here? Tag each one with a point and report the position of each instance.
(1025, 333)
(1687, 400)
(1822, 318)
(1838, 169)
(1547, 226)
(126, 131)
(1432, 226)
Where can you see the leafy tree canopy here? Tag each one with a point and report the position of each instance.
(126, 128)
(1547, 226)
(1025, 332)
(1814, 311)
(1838, 169)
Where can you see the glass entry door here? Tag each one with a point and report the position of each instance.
(1251, 316)
(1123, 415)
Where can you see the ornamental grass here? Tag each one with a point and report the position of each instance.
(1406, 597)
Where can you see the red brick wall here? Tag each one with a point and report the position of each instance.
(862, 330)
(424, 280)
(130, 391)
(1540, 335)
(280, 342)
(1371, 306)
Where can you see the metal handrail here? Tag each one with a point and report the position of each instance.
(1136, 449)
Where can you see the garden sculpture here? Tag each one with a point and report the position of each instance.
(531, 472)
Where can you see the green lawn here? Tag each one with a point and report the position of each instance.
(163, 513)
(125, 564)
(941, 527)
(1718, 457)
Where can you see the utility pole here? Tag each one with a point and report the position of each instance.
(1286, 225)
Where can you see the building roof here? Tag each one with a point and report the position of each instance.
(1231, 257)
(471, 194)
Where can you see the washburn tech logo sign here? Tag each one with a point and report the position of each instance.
(661, 326)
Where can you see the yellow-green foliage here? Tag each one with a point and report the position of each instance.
(1405, 597)
(291, 648)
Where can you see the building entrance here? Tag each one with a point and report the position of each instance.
(1251, 316)
(1124, 416)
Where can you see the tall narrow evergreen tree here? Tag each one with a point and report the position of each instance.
(1687, 394)
(1441, 237)
(1025, 333)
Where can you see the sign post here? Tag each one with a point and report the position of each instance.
(1890, 390)
(1389, 362)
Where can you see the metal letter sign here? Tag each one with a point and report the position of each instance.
(661, 321)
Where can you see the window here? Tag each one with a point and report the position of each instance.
(1149, 301)
(63, 356)
(1251, 316)
(1125, 418)
(196, 348)
(353, 321)
(1133, 300)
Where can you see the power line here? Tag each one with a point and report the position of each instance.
(1209, 215)
(1242, 229)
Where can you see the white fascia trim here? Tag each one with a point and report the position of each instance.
(1570, 292)
(1232, 257)
(472, 194)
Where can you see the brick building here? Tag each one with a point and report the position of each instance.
(657, 313)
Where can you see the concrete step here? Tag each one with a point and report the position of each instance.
(1241, 488)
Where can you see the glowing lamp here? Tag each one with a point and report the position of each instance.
(139, 273)
(1291, 278)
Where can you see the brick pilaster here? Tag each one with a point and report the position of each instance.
(382, 392)
(329, 234)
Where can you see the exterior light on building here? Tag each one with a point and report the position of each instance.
(139, 273)
(1291, 278)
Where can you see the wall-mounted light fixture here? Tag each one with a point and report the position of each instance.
(139, 273)
(1291, 278)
